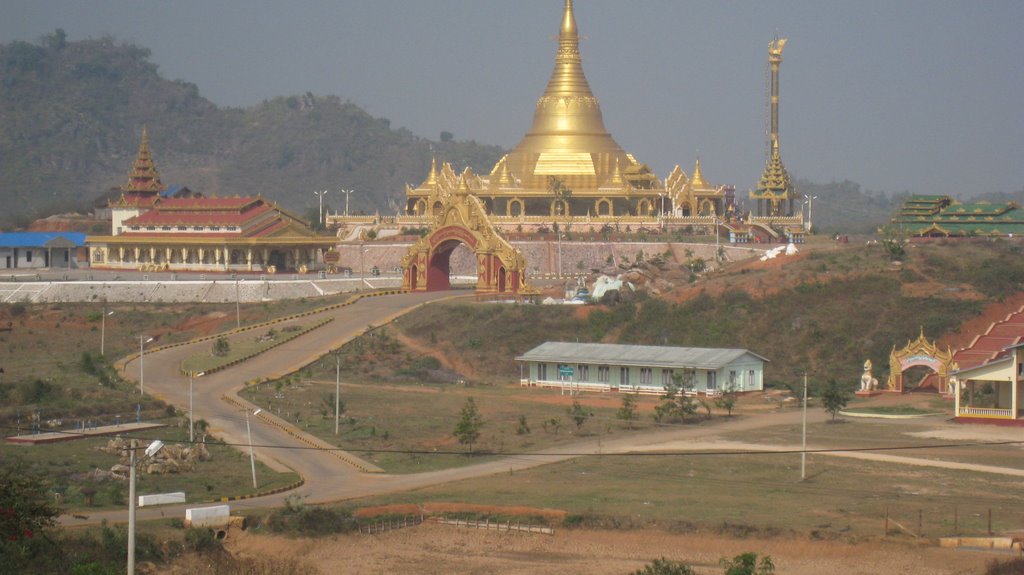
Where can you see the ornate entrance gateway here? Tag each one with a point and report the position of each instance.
(921, 352)
(460, 218)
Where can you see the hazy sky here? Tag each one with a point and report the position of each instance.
(924, 96)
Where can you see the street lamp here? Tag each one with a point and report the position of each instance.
(337, 390)
(321, 194)
(132, 501)
(347, 194)
(143, 340)
(103, 328)
(191, 415)
(803, 448)
(559, 234)
(810, 211)
(252, 458)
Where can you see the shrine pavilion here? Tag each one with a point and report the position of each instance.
(156, 228)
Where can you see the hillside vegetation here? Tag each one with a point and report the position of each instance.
(73, 111)
(826, 313)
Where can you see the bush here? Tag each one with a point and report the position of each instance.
(297, 519)
(201, 540)
(665, 567)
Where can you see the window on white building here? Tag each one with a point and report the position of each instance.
(28, 255)
(583, 372)
(666, 377)
(646, 376)
(624, 376)
(542, 371)
(603, 374)
(712, 380)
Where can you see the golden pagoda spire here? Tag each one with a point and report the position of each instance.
(144, 177)
(432, 177)
(568, 137)
(697, 181)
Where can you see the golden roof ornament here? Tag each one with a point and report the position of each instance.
(697, 181)
(144, 177)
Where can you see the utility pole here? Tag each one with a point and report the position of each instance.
(103, 328)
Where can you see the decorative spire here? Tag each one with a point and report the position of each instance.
(775, 179)
(697, 181)
(568, 107)
(144, 177)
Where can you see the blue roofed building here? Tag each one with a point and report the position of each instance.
(39, 250)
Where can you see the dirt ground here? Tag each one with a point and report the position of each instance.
(434, 549)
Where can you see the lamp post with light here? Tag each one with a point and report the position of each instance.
(132, 501)
(143, 340)
(321, 195)
(191, 414)
(103, 328)
(347, 194)
(252, 457)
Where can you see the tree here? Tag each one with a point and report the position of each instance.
(628, 412)
(523, 428)
(747, 564)
(834, 397)
(221, 347)
(467, 430)
(579, 414)
(664, 566)
(675, 404)
(26, 509)
(727, 400)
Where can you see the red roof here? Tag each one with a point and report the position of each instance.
(992, 344)
(208, 215)
(209, 204)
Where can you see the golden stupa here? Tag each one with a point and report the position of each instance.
(567, 165)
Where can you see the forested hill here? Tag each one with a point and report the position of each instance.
(71, 115)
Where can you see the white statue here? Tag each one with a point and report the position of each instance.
(867, 381)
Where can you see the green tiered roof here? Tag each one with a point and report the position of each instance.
(940, 216)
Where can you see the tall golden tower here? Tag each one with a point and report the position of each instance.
(774, 196)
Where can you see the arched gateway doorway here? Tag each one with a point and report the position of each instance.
(921, 353)
(461, 219)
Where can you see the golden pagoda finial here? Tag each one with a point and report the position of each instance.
(432, 178)
(568, 30)
(697, 180)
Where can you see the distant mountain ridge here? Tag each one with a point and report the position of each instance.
(71, 115)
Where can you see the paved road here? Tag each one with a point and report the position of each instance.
(327, 477)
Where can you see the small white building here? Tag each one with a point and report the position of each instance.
(641, 368)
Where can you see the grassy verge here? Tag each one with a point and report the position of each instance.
(382, 418)
(70, 463)
(893, 410)
(244, 346)
(746, 495)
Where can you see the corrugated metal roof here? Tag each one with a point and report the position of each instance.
(39, 239)
(643, 355)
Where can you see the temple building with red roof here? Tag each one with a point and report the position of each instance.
(156, 228)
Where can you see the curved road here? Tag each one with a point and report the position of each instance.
(327, 477)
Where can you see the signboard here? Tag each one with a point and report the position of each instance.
(566, 371)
